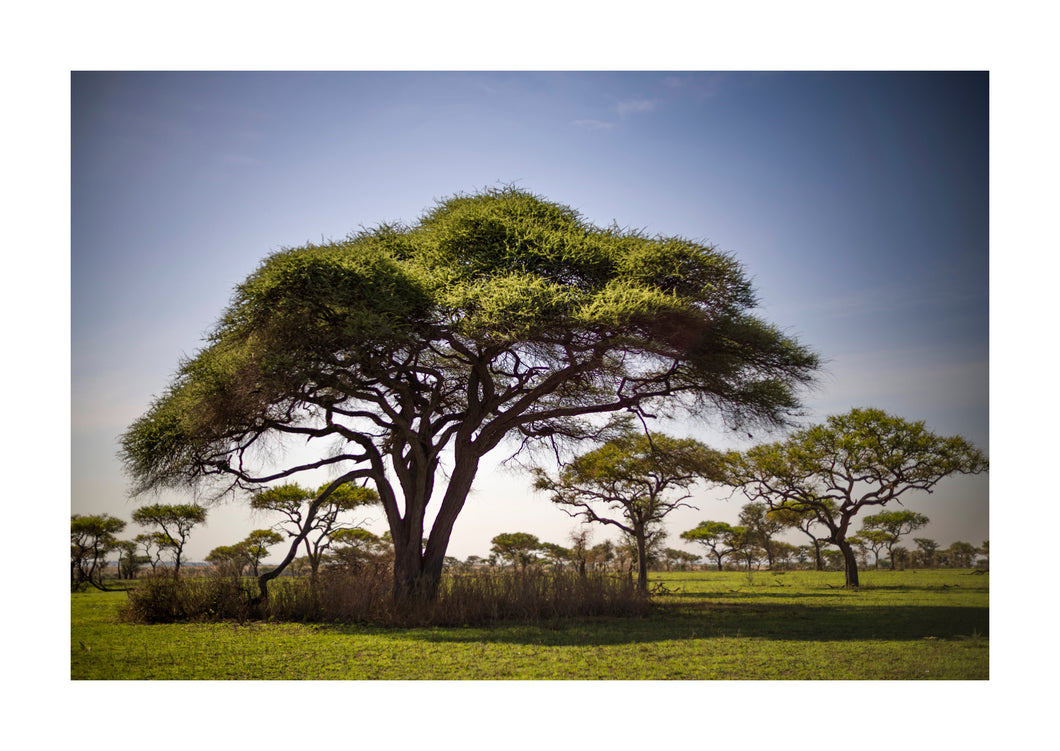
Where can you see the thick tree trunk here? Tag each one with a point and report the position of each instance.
(642, 562)
(417, 574)
(851, 563)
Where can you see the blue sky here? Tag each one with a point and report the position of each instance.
(857, 202)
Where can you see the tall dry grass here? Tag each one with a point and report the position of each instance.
(366, 596)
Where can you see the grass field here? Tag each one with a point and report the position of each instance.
(706, 626)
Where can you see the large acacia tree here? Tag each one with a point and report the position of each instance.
(861, 459)
(403, 351)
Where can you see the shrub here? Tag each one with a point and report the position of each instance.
(163, 599)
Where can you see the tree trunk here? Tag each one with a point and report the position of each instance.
(417, 575)
(851, 563)
(642, 562)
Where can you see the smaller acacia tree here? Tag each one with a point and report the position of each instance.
(353, 548)
(257, 546)
(715, 536)
(516, 547)
(870, 540)
(634, 477)
(312, 517)
(892, 525)
(91, 538)
(154, 544)
(128, 561)
(175, 521)
(229, 560)
(756, 517)
(926, 551)
(794, 516)
(861, 459)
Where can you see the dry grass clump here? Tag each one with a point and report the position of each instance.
(365, 595)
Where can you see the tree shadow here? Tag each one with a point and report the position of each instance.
(777, 622)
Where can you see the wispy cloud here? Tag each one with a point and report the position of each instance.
(628, 106)
(593, 124)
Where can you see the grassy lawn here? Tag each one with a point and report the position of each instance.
(706, 626)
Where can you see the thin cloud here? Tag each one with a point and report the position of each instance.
(627, 106)
(593, 124)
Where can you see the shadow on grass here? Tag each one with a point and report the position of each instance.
(790, 622)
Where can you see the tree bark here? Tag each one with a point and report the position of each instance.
(851, 563)
(642, 562)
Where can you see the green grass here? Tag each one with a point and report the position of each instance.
(707, 626)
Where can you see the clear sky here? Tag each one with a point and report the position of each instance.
(857, 202)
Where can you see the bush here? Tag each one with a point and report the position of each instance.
(162, 599)
(366, 596)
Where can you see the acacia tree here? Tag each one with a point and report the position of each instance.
(91, 538)
(154, 545)
(806, 521)
(631, 482)
(496, 316)
(311, 519)
(579, 549)
(894, 525)
(926, 550)
(715, 536)
(517, 547)
(257, 546)
(756, 517)
(861, 459)
(873, 540)
(230, 560)
(175, 521)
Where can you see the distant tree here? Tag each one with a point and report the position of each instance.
(602, 555)
(861, 459)
(516, 547)
(556, 555)
(746, 545)
(128, 561)
(154, 545)
(894, 525)
(679, 559)
(807, 521)
(756, 517)
(926, 550)
(175, 521)
(783, 553)
(355, 547)
(901, 557)
(631, 482)
(579, 550)
(961, 554)
(229, 560)
(984, 550)
(871, 540)
(715, 536)
(311, 518)
(834, 559)
(257, 546)
(91, 539)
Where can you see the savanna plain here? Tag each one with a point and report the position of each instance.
(795, 625)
